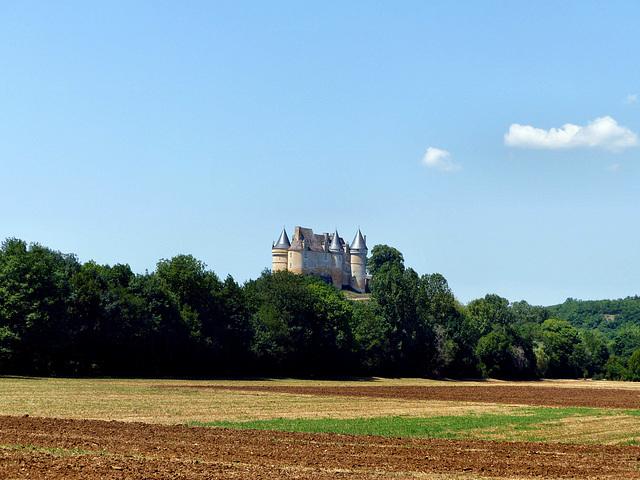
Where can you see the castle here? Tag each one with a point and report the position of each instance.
(326, 256)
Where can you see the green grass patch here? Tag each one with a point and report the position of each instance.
(522, 425)
(630, 442)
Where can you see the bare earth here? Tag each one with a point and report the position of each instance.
(511, 394)
(72, 449)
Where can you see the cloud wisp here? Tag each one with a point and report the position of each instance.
(602, 132)
(440, 160)
(631, 99)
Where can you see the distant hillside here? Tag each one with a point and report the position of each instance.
(604, 315)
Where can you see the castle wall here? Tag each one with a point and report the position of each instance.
(337, 274)
(321, 264)
(295, 262)
(327, 265)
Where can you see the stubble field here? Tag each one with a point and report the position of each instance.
(365, 428)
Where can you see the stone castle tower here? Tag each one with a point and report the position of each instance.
(327, 256)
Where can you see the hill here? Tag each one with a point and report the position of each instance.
(604, 315)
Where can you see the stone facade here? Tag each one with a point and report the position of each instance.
(327, 256)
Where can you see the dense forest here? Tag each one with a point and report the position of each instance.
(61, 317)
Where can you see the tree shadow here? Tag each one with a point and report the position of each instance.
(20, 377)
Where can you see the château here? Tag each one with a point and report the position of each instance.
(327, 256)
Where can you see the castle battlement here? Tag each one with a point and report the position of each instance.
(325, 255)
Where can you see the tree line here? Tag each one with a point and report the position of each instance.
(61, 317)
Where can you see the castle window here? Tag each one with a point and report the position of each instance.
(289, 265)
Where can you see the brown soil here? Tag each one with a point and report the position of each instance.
(512, 394)
(89, 449)
(73, 449)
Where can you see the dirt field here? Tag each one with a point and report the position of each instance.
(90, 449)
(511, 394)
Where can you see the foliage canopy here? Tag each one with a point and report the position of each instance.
(58, 316)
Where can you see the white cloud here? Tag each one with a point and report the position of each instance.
(631, 99)
(613, 167)
(439, 159)
(602, 132)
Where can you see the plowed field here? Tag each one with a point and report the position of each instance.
(32, 447)
(512, 394)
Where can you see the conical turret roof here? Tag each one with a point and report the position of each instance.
(358, 242)
(283, 241)
(335, 246)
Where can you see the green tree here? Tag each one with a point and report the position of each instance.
(232, 332)
(596, 351)
(504, 344)
(494, 353)
(189, 280)
(614, 369)
(34, 294)
(86, 319)
(437, 299)
(397, 292)
(166, 341)
(301, 325)
(626, 340)
(523, 313)
(560, 340)
(488, 313)
(214, 312)
(372, 336)
(438, 305)
(8, 342)
(110, 335)
(383, 255)
(633, 368)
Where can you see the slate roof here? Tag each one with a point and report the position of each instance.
(314, 241)
(336, 244)
(358, 242)
(283, 241)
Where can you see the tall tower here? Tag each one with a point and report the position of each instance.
(337, 259)
(358, 250)
(279, 252)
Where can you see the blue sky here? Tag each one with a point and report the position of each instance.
(495, 143)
